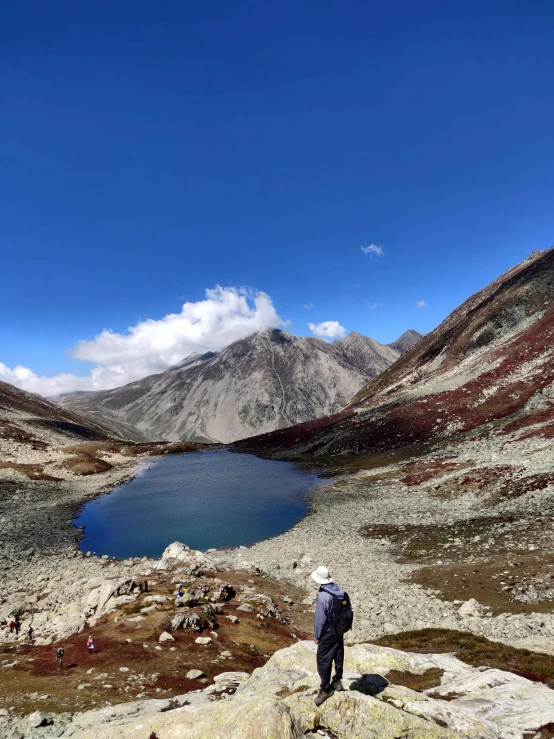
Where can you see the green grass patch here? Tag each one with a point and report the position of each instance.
(476, 651)
(134, 608)
(429, 679)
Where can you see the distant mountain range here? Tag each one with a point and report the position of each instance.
(267, 381)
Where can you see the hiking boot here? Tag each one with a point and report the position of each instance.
(338, 686)
(322, 696)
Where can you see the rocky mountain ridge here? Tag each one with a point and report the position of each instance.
(269, 380)
(487, 365)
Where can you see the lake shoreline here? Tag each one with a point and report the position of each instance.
(221, 502)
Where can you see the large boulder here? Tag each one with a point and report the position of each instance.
(260, 603)
(188, 561)
(186, 620)
(187, 599)
(177, 551)
(220, 591)
(471, 608)
(66, 621)
(38, 718)
(112, 589)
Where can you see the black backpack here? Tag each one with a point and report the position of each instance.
(341, 616)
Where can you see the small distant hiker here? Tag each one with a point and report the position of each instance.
(30, 632)
(146, 586)
(17, 625)
(59, 656)
(333, 617)
(180, 592)
(11, 626)
(90, 645)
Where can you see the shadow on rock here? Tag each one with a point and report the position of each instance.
(370, 684)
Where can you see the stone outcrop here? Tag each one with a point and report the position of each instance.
(277, 702)
(190, 562)
(112, 589)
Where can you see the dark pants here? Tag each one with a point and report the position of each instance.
(330, 649)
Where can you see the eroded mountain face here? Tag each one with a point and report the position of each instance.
(267, 381)
(488, 366)
(30, 426)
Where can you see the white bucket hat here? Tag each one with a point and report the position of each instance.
(321, 576)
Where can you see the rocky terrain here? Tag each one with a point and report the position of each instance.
(444, 475)
(437, 516)
(150, 642)
(389, 694)
(264, 382)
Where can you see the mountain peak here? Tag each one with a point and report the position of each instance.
(268, 380)
(406, 341)
(275, 335)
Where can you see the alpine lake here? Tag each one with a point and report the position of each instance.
(208, 499)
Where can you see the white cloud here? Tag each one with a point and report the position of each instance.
(421, 303)
(308, 306)
(151, 346)
(373, 249)
(328, 330)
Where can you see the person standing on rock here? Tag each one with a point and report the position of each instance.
(333, 617)
(17, 625)
(59, 656)
(90, 645)
(30, 632)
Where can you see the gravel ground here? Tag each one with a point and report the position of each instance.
(378, 579)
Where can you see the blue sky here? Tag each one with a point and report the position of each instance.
(152, 151)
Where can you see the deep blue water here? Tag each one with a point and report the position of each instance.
(202, 499)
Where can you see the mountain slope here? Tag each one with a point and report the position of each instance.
(23, 415)
(489, 363)
(33, 431)
(267, 381)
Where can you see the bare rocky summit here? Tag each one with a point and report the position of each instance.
(406, 341)
(267, 381)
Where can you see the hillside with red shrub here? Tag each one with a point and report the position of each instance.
(488, 366)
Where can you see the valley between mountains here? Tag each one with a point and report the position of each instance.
(435, 512)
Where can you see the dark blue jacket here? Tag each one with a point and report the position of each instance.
(323, 607)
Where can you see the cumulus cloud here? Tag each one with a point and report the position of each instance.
(225, 315)
(328, 330)
(373, 249)
(421, 303)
